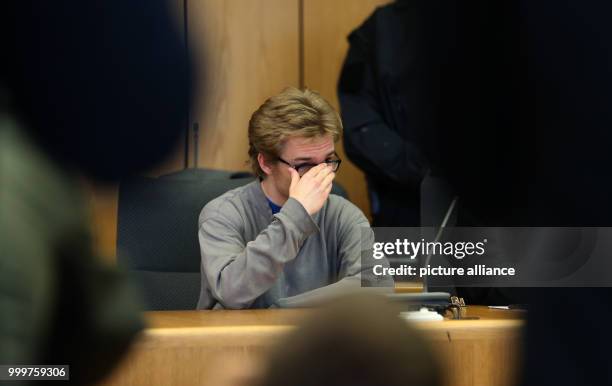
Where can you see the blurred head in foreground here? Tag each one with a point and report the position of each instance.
(102, 87)
(95, 89)
(360, 341)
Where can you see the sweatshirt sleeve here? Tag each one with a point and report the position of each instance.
(238, 272)
(354, 243)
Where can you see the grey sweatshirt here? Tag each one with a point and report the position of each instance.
(254, 259)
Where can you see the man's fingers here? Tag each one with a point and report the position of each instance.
(324, 172)
(327, 182)
(295, 178)
(329, 178)
(329, 189)
(313, 172)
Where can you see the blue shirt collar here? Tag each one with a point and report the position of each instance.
(275, 208)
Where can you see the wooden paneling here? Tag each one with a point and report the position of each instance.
(326, 27)
(246, 51)
(252, 50)
(102, 201)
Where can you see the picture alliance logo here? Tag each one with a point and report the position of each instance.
(413, 249)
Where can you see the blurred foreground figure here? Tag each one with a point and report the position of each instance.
(525, 138)
(81, 85)
(360, 341)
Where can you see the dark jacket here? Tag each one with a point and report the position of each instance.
(387, 109)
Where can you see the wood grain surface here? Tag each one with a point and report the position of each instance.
(213, 347)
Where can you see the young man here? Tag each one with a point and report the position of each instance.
(283, 240)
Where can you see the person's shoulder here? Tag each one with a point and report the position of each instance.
(382, 13)
(341, 209)
(226, 206)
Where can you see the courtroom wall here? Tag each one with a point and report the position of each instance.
(247, 50)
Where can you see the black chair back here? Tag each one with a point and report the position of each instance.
(157, 238)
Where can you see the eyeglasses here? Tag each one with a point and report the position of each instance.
(305, 167)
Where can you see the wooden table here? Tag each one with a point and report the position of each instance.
(408, 287)
(197, 347)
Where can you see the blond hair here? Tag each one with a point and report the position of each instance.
(292, 113)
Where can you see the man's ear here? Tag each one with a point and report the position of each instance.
(263, 164)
